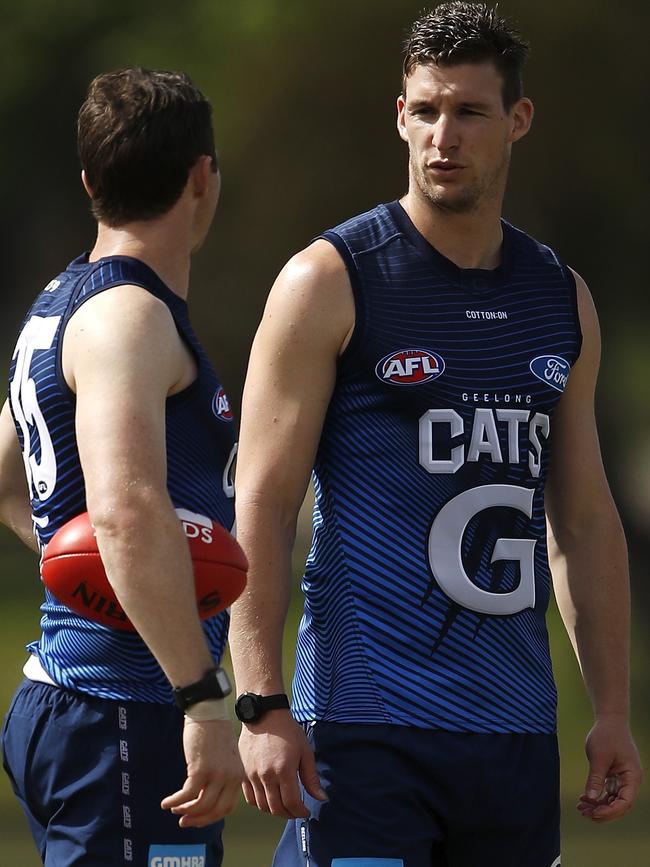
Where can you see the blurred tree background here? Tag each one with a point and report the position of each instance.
(303, 97)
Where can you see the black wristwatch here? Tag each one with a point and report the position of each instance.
(251, 707)
(213, 684)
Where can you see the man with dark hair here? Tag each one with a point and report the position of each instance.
(468, 33)
(137, 159)
(444, 399)
(112, 399)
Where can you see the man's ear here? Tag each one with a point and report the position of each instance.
(200, 175)
(87, 187)
(522, 118)
(401, 124)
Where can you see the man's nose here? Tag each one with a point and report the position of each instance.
(445, 133)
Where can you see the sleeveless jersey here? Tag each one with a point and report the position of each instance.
(427, 582)
(76, 652)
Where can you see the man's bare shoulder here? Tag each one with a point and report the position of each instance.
(313, 290)
(316, 269)
(125, 323)
(128, 306)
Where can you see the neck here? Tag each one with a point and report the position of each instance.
(469, 240)
(162, 244)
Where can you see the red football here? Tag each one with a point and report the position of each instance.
(72, 569)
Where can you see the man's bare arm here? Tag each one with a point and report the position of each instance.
(122, 356)
(308, 318)
(589, 564)
(15, 508)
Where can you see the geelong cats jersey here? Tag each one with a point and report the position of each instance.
(76, 652)
(427, 582)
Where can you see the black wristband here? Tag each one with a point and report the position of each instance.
(213, 684)
(251, 707)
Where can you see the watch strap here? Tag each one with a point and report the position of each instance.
(275, 702)
(214, 684)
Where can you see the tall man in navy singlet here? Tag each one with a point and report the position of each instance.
(435, 367)
(118, 411)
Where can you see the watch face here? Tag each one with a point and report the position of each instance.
(247, 709)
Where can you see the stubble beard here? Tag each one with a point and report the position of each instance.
(465, 200)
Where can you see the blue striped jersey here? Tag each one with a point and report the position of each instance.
(427, 581)
(76, 652)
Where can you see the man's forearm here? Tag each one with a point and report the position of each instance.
(147, 561)
(15, 507)
(258, 616)
(592, 590)
(15, 513)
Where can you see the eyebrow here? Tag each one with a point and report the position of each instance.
(466, 103)
(476, 104)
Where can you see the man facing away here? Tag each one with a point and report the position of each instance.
(436, 368)
(113, 400)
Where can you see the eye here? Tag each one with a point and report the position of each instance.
(424, 111)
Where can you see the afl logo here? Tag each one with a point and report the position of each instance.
(410, 367)
(552, 370)
(221, 406)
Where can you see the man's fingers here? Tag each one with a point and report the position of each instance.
(283, 795)
(275, 795)
(189, 792)
(193, 798)
(608, 812)
(210, 809)
(309, 775)
(275, 801)
(259, 795)
(201, 805)
(293, 804)
(213, 802)
(616, 798)
(595, 781)
(249, 793)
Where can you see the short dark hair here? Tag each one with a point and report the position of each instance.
(458, 32)
(139, 132)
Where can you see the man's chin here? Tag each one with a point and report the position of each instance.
(454, 203)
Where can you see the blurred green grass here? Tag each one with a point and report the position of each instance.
(250, 837)
(250, 840)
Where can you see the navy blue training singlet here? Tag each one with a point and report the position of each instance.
(427, 582)
(76, 652)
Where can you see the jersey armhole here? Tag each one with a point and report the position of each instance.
(359, 306)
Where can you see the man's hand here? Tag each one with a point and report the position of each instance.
(276, 753)
(214, 774)
(614, 771)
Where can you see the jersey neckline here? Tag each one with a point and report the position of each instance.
(155, 284)
(477, 281)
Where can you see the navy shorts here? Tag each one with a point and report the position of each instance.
(90, 774)
(405, 797)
